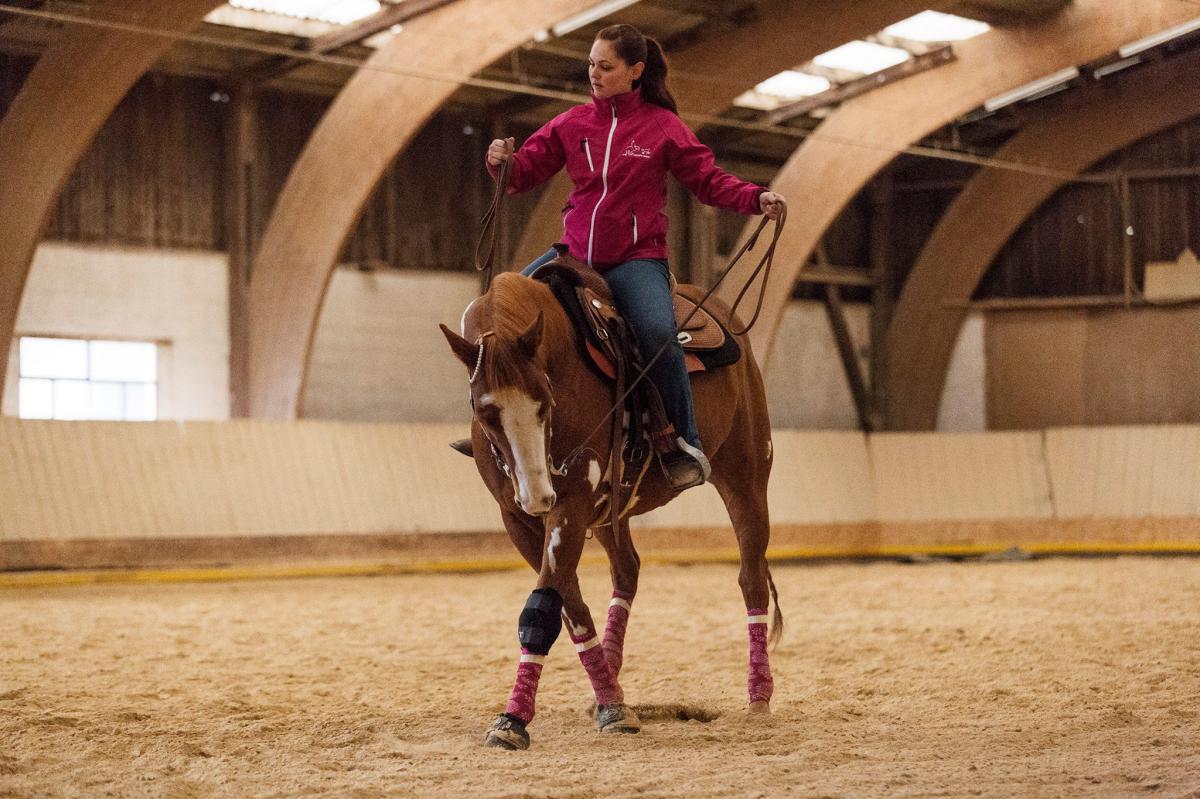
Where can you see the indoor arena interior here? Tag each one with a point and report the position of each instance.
(339, 456)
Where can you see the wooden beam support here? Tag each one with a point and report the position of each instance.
(241, 171)
(867, 418)
(865, 134)
(828, 274)
(1009, 12)
(5, 17)
(1089, 301)
(883, 299)
(72, 90)
(376, 115)
(993, 206)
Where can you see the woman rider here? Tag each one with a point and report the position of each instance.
(618, 150)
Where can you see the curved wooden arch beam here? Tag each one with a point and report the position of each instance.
(866, 133)
(381, 108)
(72, 90)
(709, 75)
(992, 207)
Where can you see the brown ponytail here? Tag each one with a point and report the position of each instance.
(633, 47)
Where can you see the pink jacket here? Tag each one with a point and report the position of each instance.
(618, 152)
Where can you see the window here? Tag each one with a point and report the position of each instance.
(62, 378)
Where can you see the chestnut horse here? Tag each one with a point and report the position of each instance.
(534, 402)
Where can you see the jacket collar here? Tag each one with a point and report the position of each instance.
(625, 103)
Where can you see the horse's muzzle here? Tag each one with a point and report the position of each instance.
(538, 506)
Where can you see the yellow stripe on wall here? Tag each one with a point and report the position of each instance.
(43, 579)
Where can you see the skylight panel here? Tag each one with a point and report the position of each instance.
(781, 89)
(862, 57)
(791, 84)
(334, 12)
(935, 26)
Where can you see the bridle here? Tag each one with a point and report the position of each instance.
(560, 471)
(479, 357)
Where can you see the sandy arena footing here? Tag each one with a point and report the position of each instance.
(1065, 677)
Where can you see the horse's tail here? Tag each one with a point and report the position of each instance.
(776, 633)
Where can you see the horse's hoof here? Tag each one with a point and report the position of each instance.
(507, 732)
(759, 708)
(617, 718)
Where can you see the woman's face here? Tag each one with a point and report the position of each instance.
(608, 72)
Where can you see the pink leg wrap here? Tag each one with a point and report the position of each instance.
(614, 631)
(524, 692)
(604, 681)
(760, 683)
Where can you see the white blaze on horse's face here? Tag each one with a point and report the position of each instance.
(526, 435)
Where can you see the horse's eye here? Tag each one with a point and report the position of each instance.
(488, 414)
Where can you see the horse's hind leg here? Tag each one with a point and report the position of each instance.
(612, 715)
(624, 566)
(746, 501)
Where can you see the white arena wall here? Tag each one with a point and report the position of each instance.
(170, 493)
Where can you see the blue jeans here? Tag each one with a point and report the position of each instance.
(642, 290)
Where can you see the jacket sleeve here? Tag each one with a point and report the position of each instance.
(693, 164)
(535, 161)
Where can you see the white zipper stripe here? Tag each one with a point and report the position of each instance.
(604, 178)
(635, 236)
(587, 149)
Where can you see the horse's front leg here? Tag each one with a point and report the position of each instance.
(557, 597)
(564, 546)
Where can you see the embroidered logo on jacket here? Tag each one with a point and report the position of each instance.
(637, 152)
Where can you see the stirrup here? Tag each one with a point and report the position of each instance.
(617, 718)
(464, 446)
(685, 467)
(507, 732)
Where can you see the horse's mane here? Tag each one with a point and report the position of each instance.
(514, 304)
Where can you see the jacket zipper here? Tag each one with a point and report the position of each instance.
(604, 178)
(588, 152)
(635, 236)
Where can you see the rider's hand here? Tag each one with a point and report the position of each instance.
(772, 204)
(500, 150)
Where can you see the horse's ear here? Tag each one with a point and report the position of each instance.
(529, 340)
(465, 350)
